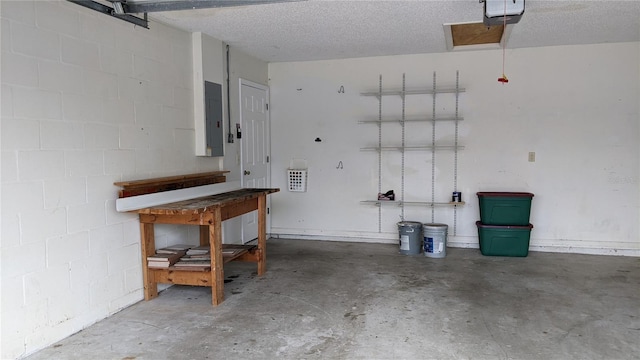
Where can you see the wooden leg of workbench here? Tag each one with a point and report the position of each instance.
(217, 263)
(204, 235)
(262, 234)
(148, 248)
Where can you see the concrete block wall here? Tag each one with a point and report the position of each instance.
(87, 100)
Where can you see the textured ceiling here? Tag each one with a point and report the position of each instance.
(336, 29)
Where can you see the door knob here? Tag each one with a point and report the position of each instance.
(247, 172)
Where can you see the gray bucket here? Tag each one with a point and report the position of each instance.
(435, 240)
(410, 237)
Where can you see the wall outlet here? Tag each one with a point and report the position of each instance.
(532, 156)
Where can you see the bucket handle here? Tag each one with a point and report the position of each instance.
(409, 231)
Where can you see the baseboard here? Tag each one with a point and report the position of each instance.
(468, 242)
(334, 238)
(586, 250)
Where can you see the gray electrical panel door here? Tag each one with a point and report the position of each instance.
(213, 116)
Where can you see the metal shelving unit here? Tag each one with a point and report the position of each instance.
(401, 203)
(411, 92)
(402, 148)
(411, 148)
(451, 118)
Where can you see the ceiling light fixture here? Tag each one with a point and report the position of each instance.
(500, 12)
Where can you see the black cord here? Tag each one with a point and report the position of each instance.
(230, 134)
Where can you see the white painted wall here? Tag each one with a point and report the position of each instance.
(576, 107)
(87, 100)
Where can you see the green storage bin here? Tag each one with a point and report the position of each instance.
(505, 208)
(497, 240)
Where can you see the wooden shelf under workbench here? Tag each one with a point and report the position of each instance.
(201, 275)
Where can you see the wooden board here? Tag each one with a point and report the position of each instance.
(154, 188)
(475, 34)
(171, 276)
(172, 182)
(241, 251)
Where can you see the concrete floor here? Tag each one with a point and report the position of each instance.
(330, 300)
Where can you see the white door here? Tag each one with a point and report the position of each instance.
(255, 149)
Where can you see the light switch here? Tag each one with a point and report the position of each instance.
(532, 156)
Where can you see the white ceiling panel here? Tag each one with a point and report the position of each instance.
(335, 29)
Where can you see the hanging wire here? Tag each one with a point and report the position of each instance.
(504, 43)
(504, 78)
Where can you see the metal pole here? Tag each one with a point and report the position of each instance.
(380, 151)
(433, 151)
(403, 144)
(455, 154)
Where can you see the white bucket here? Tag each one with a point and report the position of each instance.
(435, 240)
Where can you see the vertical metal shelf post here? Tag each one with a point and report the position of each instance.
(402, 154)
(455, 154)
(433, 153)
(379, 150)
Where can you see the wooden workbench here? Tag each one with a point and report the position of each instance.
(207, 212)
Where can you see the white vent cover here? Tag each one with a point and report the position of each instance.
(297, 180)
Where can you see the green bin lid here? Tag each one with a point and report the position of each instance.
(506, 194)
(524, 227)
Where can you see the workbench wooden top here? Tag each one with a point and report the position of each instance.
(206, 203)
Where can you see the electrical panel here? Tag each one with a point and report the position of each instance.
(213, 119)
